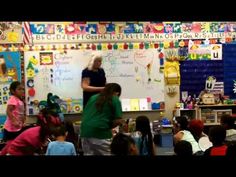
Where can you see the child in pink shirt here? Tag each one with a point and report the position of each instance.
(15, 112)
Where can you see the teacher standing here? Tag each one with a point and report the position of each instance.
(93, 78)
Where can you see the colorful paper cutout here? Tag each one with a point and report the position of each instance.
(71, 29)
(199, 52)
(119, 28)
(91, 28)
(183, 53)
(214, 27)
(101, 28)
(171, 54)
(168, 27)
(12, 36)
(138, 28)
(125, 104)
(143, 104)
(38, 28)
(110, 28)
(196, 27)
(134, 104)
(158, 28)
(31, 92)
(50, 29)
(60, 29)
(147, 27)
(221, 27)
(216, 51)
(129, 28)
(120, 46)
(104, 47)
(186, 27)
(205, 27)
(46, 58)
(33, 60)
(177, 27)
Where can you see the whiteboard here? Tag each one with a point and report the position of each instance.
(137, 71)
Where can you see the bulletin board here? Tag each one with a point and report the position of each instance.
(229, 54)
(137, 71)
(194, 74)
(10, 70)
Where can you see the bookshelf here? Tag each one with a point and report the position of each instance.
(211, 114)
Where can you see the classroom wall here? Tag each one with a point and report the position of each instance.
(130, 34)
(170, 102)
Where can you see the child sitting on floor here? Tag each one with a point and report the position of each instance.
(60, 146)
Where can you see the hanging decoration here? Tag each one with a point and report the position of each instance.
(120, 46)
(171, 90)
(172, 72)
(131, 46)
(151, 45)
(115, 46)
(126, 46)
(161, 58)
(166, 44)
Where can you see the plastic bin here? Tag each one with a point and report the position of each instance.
(166, 140)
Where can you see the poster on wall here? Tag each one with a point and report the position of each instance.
(10, 70)
(10, 32)
(4, 96)
(10, 66)
(205, 52)
(210, 83)
(216, 51)
(199, 52)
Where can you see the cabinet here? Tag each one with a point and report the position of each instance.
(211, 114)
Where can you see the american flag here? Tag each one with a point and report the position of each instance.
(27, 35)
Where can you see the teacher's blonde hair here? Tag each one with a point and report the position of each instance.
(94, 57)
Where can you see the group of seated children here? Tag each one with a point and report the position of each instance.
(189, 138)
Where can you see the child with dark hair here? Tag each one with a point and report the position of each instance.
(32, 140)
(231, 150)
(15, 112)
(217, 136)
(227, 122)
(183, 148)
(60, 146)
(102, 113)
(123, 145)
(182, 133)
(144, 141)
(71, 135)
